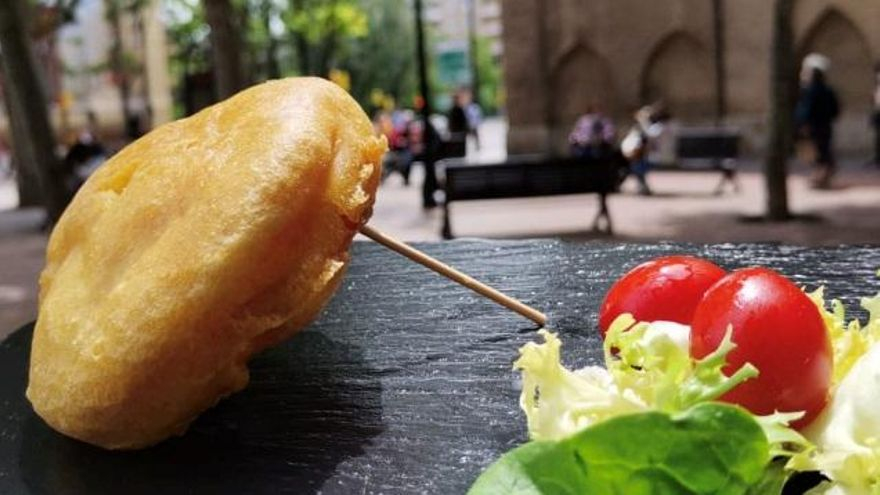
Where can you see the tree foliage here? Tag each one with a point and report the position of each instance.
(491, 96)
(321, 31)
(384, 59)
(49, 15)
(188, 34)
(370, 42)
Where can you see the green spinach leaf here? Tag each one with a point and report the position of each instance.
(708, 449)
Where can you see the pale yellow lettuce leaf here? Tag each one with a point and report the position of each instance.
(850, 341)
(650, 370)
(559, 402)
(847, 433)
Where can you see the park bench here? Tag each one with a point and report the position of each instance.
(707, 150)
(530, 176)
(395, 163)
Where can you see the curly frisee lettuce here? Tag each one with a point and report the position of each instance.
(847, 433)
(650, 370)
(849, 340)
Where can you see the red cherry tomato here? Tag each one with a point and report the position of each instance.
(776, 328)
(667, 288)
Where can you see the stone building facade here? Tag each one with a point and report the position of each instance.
(561, 56)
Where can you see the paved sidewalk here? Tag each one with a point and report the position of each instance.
(22, 253)
(683, 209)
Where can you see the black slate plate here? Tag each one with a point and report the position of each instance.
(402, 386)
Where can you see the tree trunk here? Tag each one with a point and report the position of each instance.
(781, 120)
(139, 26)
(28, 185)
(273, 70)
(34, 144)
(29, 193)
(117, 63)
(328, 55)
(225, 47)
(301, 44)
(302, 54)
(327, 52)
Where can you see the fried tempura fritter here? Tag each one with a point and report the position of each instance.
(199, 244)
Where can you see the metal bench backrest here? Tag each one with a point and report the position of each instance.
(529, 178)
(452, 149)
(708, 145)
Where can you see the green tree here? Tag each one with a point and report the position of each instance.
(44, 19)
(33, 136)
(384, 58)
(372, 40)
(226, 46)
(265, 38)
(490, 88)
(190, 53)
(321, 31)
(121, 63)
(49, 16)
(261, 39)
(188, 34)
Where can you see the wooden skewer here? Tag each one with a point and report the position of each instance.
(453, 274)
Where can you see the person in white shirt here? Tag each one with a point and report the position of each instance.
(657, 132)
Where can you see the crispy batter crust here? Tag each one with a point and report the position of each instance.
(199, 244)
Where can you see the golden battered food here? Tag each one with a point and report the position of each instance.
(199, 244)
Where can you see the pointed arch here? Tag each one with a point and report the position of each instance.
(836, 36)
(581, 78)
(678, 71)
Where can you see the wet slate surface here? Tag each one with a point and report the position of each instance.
(402, 386)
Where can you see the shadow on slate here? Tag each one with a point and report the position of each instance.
(404, 385)
(285, 433)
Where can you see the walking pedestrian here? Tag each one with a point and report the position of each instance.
(425, 143)
(591, 127)
(816, 111)
(474, 113)
(457, 118)
(651, 142)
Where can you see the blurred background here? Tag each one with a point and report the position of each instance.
(700, 120)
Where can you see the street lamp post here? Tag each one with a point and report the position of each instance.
(422, 61)
(472, 39)
(429, 134)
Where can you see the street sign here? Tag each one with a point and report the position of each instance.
(453, 63)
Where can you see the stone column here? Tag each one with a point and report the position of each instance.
(524, 77)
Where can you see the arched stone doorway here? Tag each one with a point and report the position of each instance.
(837, 37)
(679, 72)
(581, 80)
